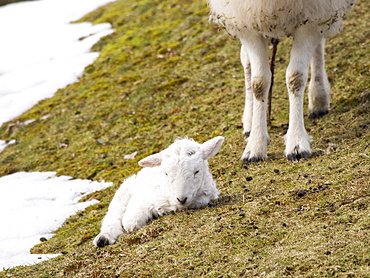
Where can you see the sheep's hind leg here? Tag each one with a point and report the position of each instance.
(248, 108)
(297, 140)
(257, 48)
(319, 88)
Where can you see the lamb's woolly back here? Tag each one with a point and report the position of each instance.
(277, 18)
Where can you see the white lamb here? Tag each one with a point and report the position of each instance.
(309, 22)
(172, 180)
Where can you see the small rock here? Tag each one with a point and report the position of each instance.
(301, 192)
(249, 178)
(276, 171)
(327, 253)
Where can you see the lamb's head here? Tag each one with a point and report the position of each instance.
(183, 167)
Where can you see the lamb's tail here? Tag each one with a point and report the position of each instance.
(275, 43)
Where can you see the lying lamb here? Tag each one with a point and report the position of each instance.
(309, 22)
(172, 180)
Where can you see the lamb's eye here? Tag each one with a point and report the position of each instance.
(166, 174)
(196, 172)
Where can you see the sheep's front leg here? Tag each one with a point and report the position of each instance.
(319, 88)
(297, 140)
(255, 47)
(248, 108)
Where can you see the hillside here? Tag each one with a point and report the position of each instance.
(166, 73)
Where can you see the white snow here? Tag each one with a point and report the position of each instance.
(40, 52)
(32, 206)
(3, 144)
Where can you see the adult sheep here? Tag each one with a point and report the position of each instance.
(309, 22)
(177, 178)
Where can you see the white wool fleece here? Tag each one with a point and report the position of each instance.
(309, 22)
(278, 18)
(175, 179)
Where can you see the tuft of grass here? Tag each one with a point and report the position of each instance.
(166, 73)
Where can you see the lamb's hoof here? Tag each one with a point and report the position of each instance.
(297, 155)
(102, 241)
(318, 114)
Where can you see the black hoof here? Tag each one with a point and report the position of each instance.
(255, 159)
(102, 241)
(317, 115)
(248, 160)
(247, 133)
(296, 155)
(245, 164)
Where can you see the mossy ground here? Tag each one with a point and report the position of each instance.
(166, 73)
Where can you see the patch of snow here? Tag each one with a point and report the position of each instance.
(41, 51)
(3, 144)
(32, 206)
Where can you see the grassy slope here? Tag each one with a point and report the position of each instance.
(165, 73)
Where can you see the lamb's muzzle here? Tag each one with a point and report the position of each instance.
(183, 201)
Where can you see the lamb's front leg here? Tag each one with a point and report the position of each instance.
(112, 222)
(297, 140)
(139, 213)
(256, 48)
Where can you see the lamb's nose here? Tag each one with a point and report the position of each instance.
(183, 201)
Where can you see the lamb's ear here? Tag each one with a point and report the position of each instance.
(151, 161)
(211, 147)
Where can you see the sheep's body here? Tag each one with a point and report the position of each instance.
(278, 18)
(309, 22)
(174, 179)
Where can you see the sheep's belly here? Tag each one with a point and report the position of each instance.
(277, 18)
